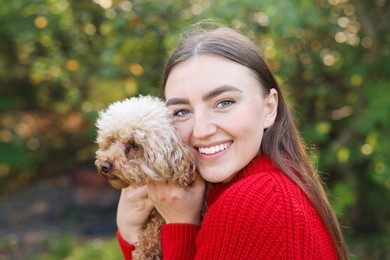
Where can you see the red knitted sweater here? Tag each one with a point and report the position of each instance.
(260, 214)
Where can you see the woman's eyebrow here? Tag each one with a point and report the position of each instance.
(177, 101)
(218, 91)
(209, 95)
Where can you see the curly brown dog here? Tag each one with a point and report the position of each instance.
(139, 145)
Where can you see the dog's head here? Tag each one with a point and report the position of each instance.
(138, 144)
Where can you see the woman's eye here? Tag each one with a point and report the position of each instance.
(224, 103)
(181, 112)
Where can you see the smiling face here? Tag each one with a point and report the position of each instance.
(220, 111)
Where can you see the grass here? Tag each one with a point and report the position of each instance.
(68, 248)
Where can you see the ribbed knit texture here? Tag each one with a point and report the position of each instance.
(126, 248)
(178, 241)
(260, 214)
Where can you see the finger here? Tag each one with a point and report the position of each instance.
(154, 190)
(160, 186)
(146, 204)
(136, 192)
(140, 199)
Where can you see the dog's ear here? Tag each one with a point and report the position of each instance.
(183, 163)
(170, 159)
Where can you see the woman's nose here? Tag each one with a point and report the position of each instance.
(204, 126)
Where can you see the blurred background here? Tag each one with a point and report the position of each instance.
(61, 61)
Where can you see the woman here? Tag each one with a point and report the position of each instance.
(266, 200)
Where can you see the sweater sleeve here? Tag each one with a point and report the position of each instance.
(126, 248)
(178, 241)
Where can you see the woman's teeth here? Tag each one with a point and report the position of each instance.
(214, 149)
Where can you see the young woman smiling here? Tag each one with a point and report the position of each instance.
(266, 200)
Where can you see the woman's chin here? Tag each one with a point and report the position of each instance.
(214, 177)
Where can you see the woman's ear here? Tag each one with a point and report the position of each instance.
(271, 108)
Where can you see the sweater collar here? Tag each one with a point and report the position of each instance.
(260, 163)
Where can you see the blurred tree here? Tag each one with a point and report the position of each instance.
(60, 62)
(63, 60)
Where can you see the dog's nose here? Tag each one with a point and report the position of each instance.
(106, 167)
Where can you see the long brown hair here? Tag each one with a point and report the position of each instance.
(281, 142)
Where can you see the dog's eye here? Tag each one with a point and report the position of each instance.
(132, 146)
(135, 146)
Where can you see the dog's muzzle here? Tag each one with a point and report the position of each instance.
(105, 167)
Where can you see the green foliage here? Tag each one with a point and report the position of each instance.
(363, 245)
(67, 247)
(63, 60)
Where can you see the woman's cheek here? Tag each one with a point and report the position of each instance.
(184, 131)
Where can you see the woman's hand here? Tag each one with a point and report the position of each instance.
(133, 210)
(177, 204)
